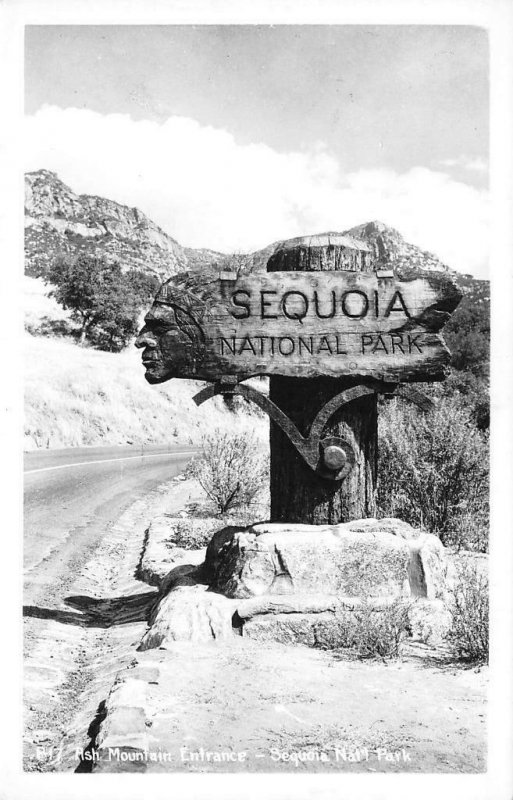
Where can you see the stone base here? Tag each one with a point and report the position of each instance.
(302, 584)
(190, 613)
(365, 558)
(327, 629)
(428, 621)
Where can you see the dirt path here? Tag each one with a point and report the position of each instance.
(89, 618)
(254, 707)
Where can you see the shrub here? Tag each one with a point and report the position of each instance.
(433, 468)
(191, 534)
(469, 606)
(231, 470)
(470, 531)
(378, 632)
(473, 392)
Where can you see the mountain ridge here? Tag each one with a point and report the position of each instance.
(59, 221)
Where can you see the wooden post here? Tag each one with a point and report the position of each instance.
(297, 494)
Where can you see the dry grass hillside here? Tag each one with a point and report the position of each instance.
(78, 396)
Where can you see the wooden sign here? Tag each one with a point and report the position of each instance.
(300, 324)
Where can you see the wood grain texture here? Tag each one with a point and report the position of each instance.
(306, 324)
(297, 495)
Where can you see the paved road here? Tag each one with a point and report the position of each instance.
(71, 497)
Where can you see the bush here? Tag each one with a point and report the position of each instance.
(470, 531)
(191, 534)
(467, 391)
(433, 469)
(377, 632)
(469, 606)
(471, 391)
(232, 469)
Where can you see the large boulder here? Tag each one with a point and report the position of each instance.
(339, 626)
(302, 584)
(190, 613)
(366, 560)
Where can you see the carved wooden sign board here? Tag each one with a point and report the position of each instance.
(303, 324)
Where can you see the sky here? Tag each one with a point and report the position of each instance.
(231, 137)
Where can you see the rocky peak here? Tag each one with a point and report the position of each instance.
(46, 194)
(58, 221)
(392, 250)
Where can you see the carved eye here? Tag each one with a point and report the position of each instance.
(158, 327)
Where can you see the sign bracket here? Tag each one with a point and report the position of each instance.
(333, 457)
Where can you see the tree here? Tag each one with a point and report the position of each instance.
(467, 333)
(104, 301)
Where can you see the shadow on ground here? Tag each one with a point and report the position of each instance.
(93, 612)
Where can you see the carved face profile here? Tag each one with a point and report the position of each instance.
(172, 339)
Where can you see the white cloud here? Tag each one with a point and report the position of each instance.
(206, 190)
(478, 165)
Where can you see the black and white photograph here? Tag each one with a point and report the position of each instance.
(261, 404)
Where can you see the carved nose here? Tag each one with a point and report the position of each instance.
(145, 339)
